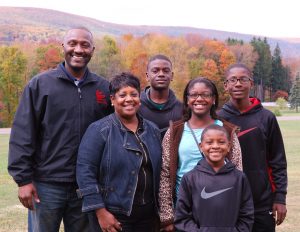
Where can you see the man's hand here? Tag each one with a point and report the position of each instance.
(26, 194)
(279, 213)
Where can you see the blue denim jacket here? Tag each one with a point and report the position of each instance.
(108, 164)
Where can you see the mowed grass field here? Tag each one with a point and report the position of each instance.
(13, 217)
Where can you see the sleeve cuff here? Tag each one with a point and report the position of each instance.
(280, 198)
(22, 183)
(92, 202)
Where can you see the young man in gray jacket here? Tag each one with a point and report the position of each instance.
(159, 103)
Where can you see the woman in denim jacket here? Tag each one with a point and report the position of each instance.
(118, 165)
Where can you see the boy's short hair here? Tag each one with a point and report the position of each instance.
(215, 127)
(158, 57)
(238, 65)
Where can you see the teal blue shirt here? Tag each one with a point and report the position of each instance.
(188, 152)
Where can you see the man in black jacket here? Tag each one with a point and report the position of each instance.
(55, 109)
(264, 160)
(159, 103)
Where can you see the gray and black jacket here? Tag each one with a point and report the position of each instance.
(264, 159)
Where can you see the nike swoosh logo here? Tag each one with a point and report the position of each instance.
(246, 131)
(206, 195)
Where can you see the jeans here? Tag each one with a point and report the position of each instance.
(58, 201)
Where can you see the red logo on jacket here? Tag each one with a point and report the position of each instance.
(100, 97)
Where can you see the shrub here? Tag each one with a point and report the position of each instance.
(277, 112)
(281, 103)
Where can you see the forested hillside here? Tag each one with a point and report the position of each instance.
(30, 42)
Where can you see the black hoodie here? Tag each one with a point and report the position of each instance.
(264, 159)
(172, 110)
(214, 201)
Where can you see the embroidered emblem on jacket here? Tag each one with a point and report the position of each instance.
(100, 97)
(206, 195)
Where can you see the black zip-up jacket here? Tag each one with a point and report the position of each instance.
(214, 201)
(51, 118)
(172, 110)
(264, 159)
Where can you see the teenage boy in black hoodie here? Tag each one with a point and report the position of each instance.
(214, 196)
(159, 103)
(264, 160)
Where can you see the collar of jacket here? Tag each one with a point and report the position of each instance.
(90, 77)
(115, 119)
(203, 166)
(169, 104)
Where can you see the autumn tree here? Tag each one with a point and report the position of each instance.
(211, 71)
(47, 57)
(134, 47)
(212, 49)
(107, 61)
(294, 98)
(178, 53)
(244, 54)
(12, 67)
(196, 67)
(139, 67)
(226, 59)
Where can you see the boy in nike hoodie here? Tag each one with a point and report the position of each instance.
(264, 160)
(214, 196)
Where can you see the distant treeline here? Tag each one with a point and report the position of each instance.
(191, 56)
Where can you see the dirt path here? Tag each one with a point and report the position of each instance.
(288, 118)
(4, 131)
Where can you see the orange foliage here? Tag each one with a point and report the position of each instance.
(226, 59)
(138, 68)
(212, 49)
(210, 70)
(132, 50)
(48, 57)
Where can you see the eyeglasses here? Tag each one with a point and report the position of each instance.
(234, 80)
(205, 96)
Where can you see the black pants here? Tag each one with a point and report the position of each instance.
(264, 222)
(142, 219)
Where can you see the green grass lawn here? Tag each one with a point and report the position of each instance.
(13, 217)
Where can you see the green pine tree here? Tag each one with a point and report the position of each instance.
(263, 67)
(294, 97)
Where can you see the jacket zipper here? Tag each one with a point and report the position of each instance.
(80, 97)
(79, 92)
(146, 161)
